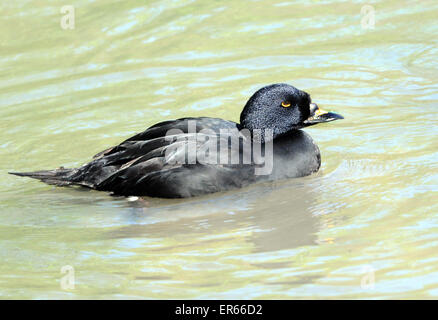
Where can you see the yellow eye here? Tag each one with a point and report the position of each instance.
(285, 104)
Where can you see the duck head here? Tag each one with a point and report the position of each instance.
(282, 108)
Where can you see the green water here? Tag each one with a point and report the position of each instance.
(371, 212)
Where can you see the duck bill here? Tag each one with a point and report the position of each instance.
(318, 115)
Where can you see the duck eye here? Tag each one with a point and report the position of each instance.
(285, 104)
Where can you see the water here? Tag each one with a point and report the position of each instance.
(365, 226)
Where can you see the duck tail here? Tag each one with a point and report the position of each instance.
(59, 177)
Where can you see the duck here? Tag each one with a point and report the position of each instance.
(194, 156)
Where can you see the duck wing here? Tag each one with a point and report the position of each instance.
(157, 161)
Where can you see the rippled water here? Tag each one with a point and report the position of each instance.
(369, 214)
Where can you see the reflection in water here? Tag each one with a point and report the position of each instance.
(68, 94)
(267, 224)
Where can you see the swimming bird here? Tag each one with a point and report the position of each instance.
(193, 156)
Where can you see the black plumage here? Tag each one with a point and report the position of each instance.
(156, 162)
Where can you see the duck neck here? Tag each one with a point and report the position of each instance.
(264, 135)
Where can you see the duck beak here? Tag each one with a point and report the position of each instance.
(318, 115)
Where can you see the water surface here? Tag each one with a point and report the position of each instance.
(370, 213)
